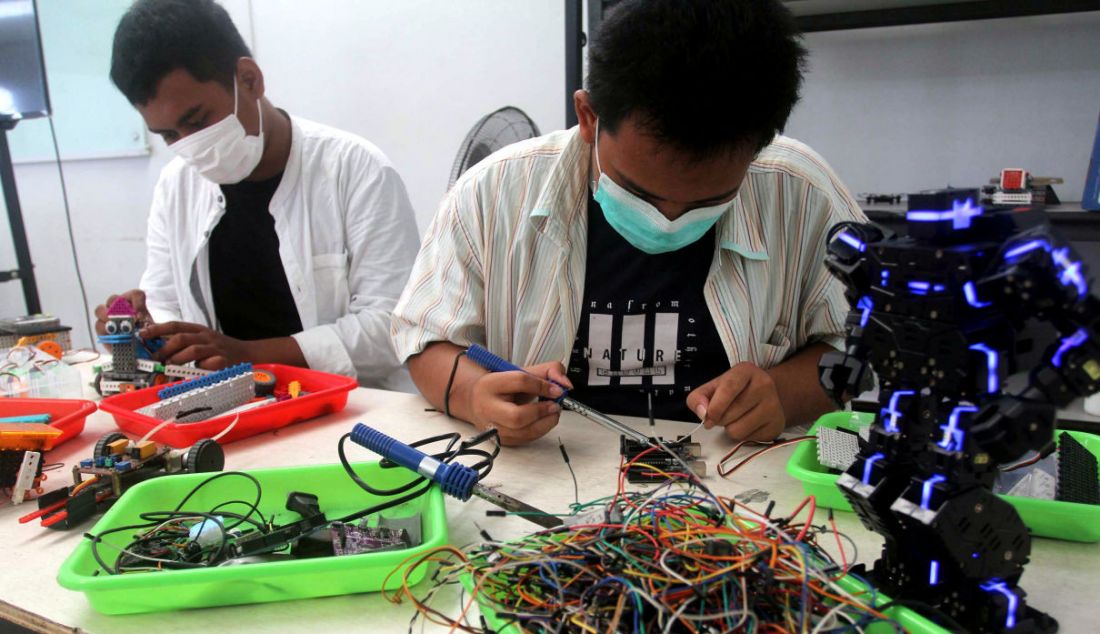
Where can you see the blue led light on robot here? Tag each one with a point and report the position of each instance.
(991, 361)
(868, 464)
(892, 424)
(919, 288)
(1069, 342)
(885, 277)
(971, 293)
(952, 435)
(1000, 587)
(866, 304)
(1071, 271)
(960, 215)
(1027, 247)
(939, 288)
(926, 490)
(852, 241)
(934, 573)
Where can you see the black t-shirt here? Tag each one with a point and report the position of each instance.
(252, 298)
(644, 326)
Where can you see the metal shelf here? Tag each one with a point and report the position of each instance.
(835, 15)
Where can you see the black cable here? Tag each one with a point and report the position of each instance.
(450, 384)
(72, 238)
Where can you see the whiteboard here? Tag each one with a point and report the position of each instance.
(92, 118)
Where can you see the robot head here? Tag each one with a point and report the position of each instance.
(121, 323)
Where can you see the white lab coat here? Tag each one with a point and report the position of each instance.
(347, 239)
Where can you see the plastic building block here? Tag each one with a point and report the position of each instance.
(205, 381)
(205, 401)
(836, 448)
(1077, 472)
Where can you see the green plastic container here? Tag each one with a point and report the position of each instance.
(1046, 518)
(912, 622)
(257, 582)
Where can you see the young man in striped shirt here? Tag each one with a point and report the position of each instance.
(670, 248)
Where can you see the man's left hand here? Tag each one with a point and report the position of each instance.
(744, 400)
(186, 342)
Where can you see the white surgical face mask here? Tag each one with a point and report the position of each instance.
(223, 153)
(641, 224)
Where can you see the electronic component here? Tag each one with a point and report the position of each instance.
(352, 539)
(115, 465)
(27, 479)
(1078, 480)
(645, 462)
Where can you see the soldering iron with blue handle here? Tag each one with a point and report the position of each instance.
(456, 480)
(493, 363)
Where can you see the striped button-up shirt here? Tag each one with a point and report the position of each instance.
(503, 262)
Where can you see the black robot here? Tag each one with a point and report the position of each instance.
(937, 316)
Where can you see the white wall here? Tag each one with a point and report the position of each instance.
(901, 109)
(892, 109)
(414, 76)
(411, 76)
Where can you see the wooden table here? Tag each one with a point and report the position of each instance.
(1061, 578)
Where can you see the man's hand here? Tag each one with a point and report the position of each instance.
(509, 402)
(186, 342)
(744, 400)
(136, 298)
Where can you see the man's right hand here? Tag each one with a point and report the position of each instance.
(136, 298)
(509, 402)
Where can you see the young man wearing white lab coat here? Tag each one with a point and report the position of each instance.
(271, 238)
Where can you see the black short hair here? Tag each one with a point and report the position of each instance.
(156, 37)
(705, 76)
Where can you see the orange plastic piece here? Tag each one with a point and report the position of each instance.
(294, 388)
(27, 436)
(51, 348)
(262, 377)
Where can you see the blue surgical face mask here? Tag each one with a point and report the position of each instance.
(639, 222)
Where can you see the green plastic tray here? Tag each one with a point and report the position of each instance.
(912, 622)
(1046, 518)
(258, 582)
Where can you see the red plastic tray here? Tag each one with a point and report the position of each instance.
(328, 393)
(66, 414)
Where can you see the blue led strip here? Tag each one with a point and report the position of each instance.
(851, 241)
(919, 288)
(1069, 342)
(971, 293)
(892, 424)
(934, 573)
(868, 464)
(926, 490)
(960, 215)
(1071, 271)
(952, 435)
(866, 304)
(204, 381)
(991, 359)
(1000, 587)
(1027, 247)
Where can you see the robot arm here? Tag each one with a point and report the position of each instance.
(1047, 280)
(846, 374)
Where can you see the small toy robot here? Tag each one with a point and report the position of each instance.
(118, 463)
(937, 316)
(131, 365)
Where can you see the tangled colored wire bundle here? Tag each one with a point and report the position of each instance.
(673, 559)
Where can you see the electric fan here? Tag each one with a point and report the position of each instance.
(494, 131)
